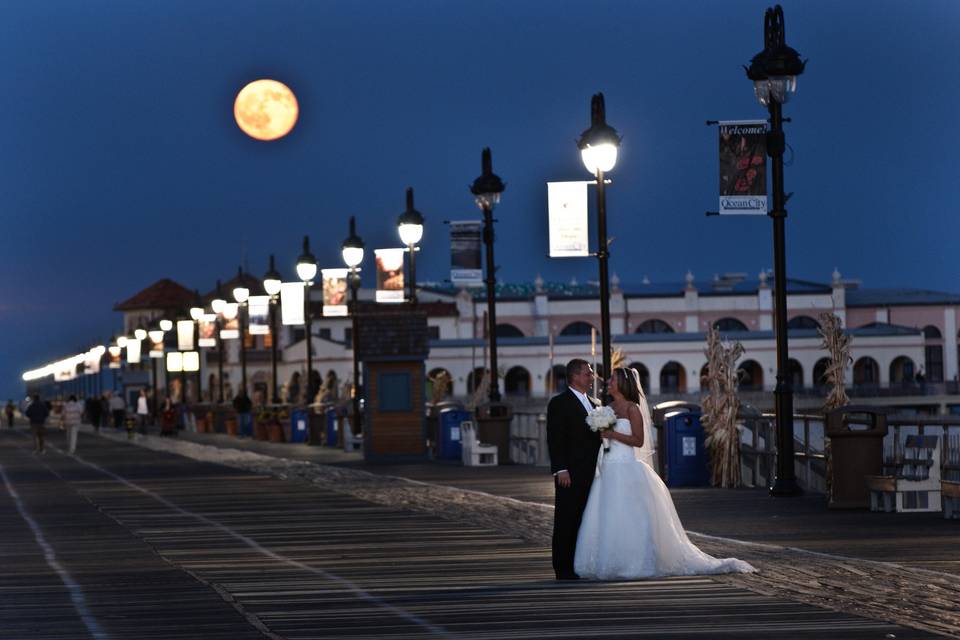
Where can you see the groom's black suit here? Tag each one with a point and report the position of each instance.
(573, 447)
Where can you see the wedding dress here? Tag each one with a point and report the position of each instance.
(630, 527)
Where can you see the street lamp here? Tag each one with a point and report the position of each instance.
(156, 337)
(217, 305)
(196, 314)
(306, 270)
(774, 73)
(410, 226)
(599, 147)
(352, 250)
(271, 284)
(241, 294)
(486, 192)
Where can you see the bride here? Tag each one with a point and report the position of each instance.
(630, 527)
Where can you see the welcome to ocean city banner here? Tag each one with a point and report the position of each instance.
(465, 269)
(743, 167)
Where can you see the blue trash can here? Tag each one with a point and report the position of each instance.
(298, 425)
(332, 430)
(686, 455)
(449, 446)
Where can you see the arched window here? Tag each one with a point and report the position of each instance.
(475, 379)
(802, 322)
(557, 379)
(901, 370)
(673, 378)
(439, 379)
(577, 329)
(517, 382)
(704, 374)
(508, 331)
(820, 372)
(654, 326)
(795, 373)
(750, 375)
(866, 372)
(644, 375)
(729, 325)
(933, 354)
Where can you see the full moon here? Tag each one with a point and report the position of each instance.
(266, 109)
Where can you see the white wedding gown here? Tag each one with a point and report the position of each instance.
(630, 528)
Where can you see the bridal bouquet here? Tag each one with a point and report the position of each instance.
(601, 418)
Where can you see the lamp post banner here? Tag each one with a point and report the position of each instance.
(258, 314)
(334, 292)
(291, 303)
(185, 335)
(743, 167)
(567, 214)
(207, 330)
(133, 351)
(390, 285)
(156, 347)
(465, 267)
(114, 357)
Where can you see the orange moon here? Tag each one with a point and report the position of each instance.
(266, 109)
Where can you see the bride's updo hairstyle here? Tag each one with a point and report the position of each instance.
(627, 384)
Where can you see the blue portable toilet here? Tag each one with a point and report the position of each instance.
(298, 425)
(449, 443)
(686, 455)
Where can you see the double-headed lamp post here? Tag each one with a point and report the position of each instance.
(774, 74)
(217, 305)
(271, 284)
(486, 192)
(352, 250)
(241, 294)
(599, 147)
(410, 227)
(306, 271)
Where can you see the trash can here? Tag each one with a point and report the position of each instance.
(315, 426)
(449, 444)
(332, 427)
(856, 435)
(659, 413)
(685, 455)
(298, 425)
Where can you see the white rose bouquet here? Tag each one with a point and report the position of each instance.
(599, 419)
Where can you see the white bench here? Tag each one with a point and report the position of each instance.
(475, 453)
(915, 483)
(350, 441)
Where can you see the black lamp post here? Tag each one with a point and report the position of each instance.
(486, 191)
(217, 305)
(774, 73)
(307, 270)
(196, 313)
(156, 337)
(271, 284)
(241, 294)
(352, 250)
(599, 146)
(410, 227)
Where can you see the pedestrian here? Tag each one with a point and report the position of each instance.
(94, 412)
(168, 418)
(37, 413)
(243, 406)
(143, 411)
(9, 410)
(119, 410)
(72, 416)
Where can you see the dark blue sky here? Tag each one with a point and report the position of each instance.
(122, 163)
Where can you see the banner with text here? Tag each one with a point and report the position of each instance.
(291, 303)
(389, 275)
(465, 267)
(258, 308)
(334, 292)
(567, 211)
(743, 167)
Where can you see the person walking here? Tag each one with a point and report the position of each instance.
(119, 410)
(94, 411)
(37, 413)
(243, 406)
(143, 411)
(8, 411)
(72, 416)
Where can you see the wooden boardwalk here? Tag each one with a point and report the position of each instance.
(158, 546)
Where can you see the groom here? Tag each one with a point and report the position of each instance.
(573, 461)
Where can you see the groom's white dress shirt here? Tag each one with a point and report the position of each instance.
(582, 397)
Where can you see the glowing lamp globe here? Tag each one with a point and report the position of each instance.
(352, 248)
(600, 144)
(240, 294)
(122, 341)
(410, 223)
(156, 336)
(196, 313)
(230, 310)
(140, 334)
(166, 325)
(266, 109)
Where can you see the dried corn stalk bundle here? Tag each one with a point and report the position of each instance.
(837, 344)
(720, 407)
(440, 385)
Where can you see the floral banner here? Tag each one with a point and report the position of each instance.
(208, 330)
(743, 167)
(334, 292)
(389, 275)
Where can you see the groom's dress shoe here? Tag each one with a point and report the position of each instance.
(568, 576)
